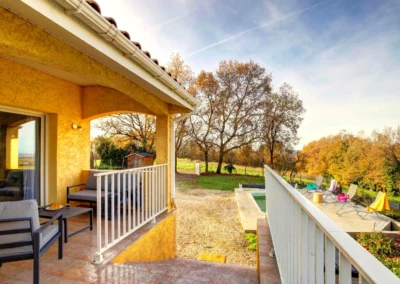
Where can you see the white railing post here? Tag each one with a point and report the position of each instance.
(143, 199)
(99, 257)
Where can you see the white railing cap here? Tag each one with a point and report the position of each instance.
(111, 172)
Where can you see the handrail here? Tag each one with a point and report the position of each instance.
(126, 170)
(126, 201)
(310, 235)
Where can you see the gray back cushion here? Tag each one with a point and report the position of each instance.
(134, 177)
(91, 182)
(18, 209)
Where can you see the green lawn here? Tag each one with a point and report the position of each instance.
(261, 202)
(189, 165)
(227, 182)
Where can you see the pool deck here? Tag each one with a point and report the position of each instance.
(248, 209)
(349, 221)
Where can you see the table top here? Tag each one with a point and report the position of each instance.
(68, 212)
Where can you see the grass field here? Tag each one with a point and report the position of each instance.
(227, 182)
(189, 165)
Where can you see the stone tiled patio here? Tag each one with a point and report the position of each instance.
(77, 267)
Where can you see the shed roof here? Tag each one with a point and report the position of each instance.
(144, 155)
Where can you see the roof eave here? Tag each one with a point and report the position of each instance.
(82, 10)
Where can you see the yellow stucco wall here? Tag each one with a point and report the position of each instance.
(163, 146)
(157, 244)
(25, 88)
(65, 103)
(24, 42)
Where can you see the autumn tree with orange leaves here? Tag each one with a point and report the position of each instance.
(372, 162)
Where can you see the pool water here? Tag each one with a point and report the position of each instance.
(260, 200)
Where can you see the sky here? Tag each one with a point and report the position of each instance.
(341, 56)
(27, 138)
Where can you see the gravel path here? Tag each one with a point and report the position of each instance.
(208, 221)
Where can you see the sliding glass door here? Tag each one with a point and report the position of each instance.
(20, 156)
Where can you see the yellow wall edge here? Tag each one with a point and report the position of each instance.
(157, 244)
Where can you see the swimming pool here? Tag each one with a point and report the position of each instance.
(260, 199)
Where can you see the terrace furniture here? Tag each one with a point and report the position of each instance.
(68, 213)
(318, 182)
(89, 193)
(23, 238)
(381, 203)
(11, 188)
(330, 192)
(351, 193)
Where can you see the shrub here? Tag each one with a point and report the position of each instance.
(383, 248)
(252, 241)
(376, 243)
(230, 168)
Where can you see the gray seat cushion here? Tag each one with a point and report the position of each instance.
(18, 209)
(85, 195)
(45, 237)
(10, 189)
(48, 234)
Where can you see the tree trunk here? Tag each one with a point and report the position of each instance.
(176, 163)
(220, 161)
(271, 158)
(206, 160)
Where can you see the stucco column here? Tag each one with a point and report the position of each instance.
(163, 149)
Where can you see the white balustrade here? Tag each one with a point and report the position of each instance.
(305, 241)
(127, 200)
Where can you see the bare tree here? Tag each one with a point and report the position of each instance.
(243, 87)
(283, 114)
(184, 75)
(231, 111)
(137, 127)
(201, 124)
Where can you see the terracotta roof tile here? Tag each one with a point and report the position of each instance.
(126, 34)
(147, 53)
(112, 21)
(137, 44)
(94, 5)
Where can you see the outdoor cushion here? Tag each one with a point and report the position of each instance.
(136, 175)
(91, 182)
(10, 188)
(45, 237)
(85, 195)
(18, 209)
(47, 234)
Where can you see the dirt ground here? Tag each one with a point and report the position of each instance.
(208, 221)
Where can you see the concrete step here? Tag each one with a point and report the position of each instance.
(196, 270)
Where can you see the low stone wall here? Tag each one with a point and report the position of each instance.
(159, 243)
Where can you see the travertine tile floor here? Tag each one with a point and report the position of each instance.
(77, 267)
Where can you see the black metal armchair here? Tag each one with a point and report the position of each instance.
(23, 238)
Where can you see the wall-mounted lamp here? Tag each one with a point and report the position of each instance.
(76, 126)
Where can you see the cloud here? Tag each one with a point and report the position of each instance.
(340, 56)
(174, 19)
(257, 27)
